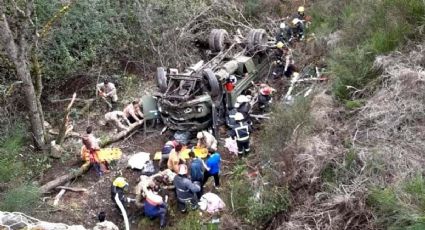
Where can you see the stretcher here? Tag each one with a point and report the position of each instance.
(106, 154)
(199, 152)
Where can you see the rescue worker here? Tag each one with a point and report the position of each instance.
(132, 112)
(91, 144)
(185, 190)
(284, 61)
(103, 224)
(166, 150)
(115, 118)
(264, 97)
(206, 140)
(284, 34)
(154, 206)
(298, 28)
(163, 179)
(241, 132)
(300, 13)
(108, 91)
(230, 119)
(243, 106)
(119, 185)
(175, 158)
(196, 171)
(212, 168)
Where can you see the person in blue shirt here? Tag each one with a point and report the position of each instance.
(212, 165)
(196, 171)
(155, 206)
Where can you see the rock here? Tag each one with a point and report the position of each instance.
(55, 150)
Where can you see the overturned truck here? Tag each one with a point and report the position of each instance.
(197, 99)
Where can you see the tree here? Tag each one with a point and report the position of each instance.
(17, 34)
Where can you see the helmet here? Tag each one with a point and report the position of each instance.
(199, 135)
(182, 169)
(296, 21)
(282, 25)
(280, 45)
(266, 91)
(239, 117)
(120, 182)
(242, 98)
(301, 9)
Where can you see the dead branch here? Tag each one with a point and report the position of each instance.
(122, 134)
(63, 179)
(59, 196)
(72, 189)
(63, 128)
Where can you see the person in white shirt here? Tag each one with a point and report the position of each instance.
(107, 90)
(115, 118)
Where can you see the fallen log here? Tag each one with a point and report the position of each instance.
(121, 134)
(65, 178)
(59, 196)
(72, 189)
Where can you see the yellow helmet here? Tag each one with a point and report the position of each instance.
(301, 9)
(120, 182)
(280, 45)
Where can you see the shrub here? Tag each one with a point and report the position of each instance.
(10, 146)
(21, 199)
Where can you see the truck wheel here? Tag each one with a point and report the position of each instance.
(211, 39)
(220, 40)
(161, 79)
(260, 39)
(251, 40)
(213, 85)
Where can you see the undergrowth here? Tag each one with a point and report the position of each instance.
(369, 28)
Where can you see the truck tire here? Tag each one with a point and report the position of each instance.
(260, 39)
(250, 39)
(161, 79)
(214, 86)
(217, 40)
(211, 39)
(220, 40)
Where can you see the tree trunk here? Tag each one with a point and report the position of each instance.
(16, 47)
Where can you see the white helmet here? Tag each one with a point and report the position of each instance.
(282, 25)
(199, 135)
(182, 169)
(296, 21)
(239, 117)
(241, 99)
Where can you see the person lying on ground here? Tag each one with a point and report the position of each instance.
(185, 190)
(133, 112)
(115, 118)
(163, 179)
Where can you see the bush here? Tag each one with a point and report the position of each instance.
(10, 146)
(370, 28)
(21, 199)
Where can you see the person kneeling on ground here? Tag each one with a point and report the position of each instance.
(155, 206)
(166, 150)
(104, 224)
(186, 190)
(133, 112)
(175, 159)
(115, 118)
(212, 165)
(206, 140)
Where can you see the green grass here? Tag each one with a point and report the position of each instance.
(24, 198)
(370, 28)
(10, 146)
